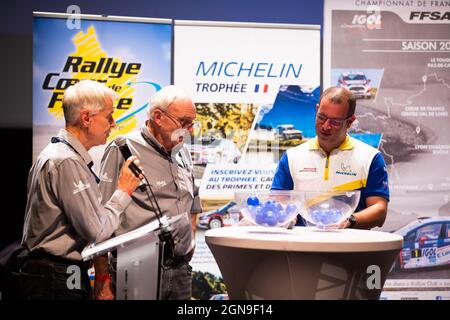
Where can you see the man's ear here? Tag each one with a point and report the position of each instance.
(85, 118)
(350, 121)
(156, 116)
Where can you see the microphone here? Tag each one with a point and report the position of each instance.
(126, 153)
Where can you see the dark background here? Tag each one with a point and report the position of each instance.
(16, 70)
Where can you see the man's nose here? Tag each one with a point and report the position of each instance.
(327, 124)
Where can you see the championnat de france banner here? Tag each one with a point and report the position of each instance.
(395, 56)
(246, 79)
(131, 55)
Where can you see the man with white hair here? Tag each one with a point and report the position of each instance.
(64, 212)
(159, 146)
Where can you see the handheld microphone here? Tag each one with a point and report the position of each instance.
(126, 153)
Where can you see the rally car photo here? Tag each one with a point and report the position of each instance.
(426, 244)
(357, 83)
(214, 150)
(288, 132)
(222, 217)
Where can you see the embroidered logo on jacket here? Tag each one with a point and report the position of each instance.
(308, 170)
(346, 170)
(161, 183)
(80, 186)
(105, 177)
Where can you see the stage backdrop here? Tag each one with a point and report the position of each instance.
(131, 55)
(255, 87)
(396, 58)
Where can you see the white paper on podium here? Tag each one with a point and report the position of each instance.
(108, 245)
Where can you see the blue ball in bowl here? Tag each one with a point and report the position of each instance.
(271, 218)
(252, 201)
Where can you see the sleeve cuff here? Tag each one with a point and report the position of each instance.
(121, 198)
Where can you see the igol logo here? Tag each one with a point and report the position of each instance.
(372, 20)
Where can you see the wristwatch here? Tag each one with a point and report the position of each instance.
(352, 220)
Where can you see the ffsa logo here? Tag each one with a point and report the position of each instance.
(372, 20)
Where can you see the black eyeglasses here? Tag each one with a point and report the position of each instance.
(183, 124)
(335, 122)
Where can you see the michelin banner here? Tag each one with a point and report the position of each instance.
(250, 82)
(131, 55)
(395, 57)
(255, 87)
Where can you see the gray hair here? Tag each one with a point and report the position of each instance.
(86, 94)
(340, 95)
(163, 98)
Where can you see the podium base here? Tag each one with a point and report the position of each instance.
(137, 269)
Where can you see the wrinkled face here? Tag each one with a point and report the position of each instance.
(332, 123)
(175, 123)
(101, 123)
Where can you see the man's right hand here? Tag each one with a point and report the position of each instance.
(103, 289)
(128, 182)
(103, 286)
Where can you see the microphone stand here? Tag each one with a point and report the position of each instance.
(165, 235)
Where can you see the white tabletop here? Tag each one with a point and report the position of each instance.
(305, 239)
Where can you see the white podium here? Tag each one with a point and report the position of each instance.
(303, 263)
(138, 261)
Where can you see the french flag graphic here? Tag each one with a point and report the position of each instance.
(265, 88)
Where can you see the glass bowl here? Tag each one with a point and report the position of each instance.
(328, 209)
(270, 208)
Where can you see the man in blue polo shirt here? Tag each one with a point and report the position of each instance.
(335, 161)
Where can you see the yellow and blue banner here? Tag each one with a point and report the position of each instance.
(132, 56)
